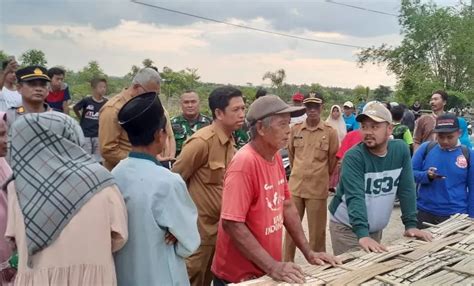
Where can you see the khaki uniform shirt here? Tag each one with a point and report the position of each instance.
(113, 139)
(202, 164)
(312, 153)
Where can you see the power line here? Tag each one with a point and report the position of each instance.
(247, 27)
(361, 8)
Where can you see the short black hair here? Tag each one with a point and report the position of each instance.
(397, 112)
(220, 98)
(146, 137)
(260, 92)
(56, 71)
(387, 105)
(95, 81)
(444, 94)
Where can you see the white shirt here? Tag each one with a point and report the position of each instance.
(9, 99)
(298, 119)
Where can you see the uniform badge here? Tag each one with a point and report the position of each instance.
(38, 71)
(20, 110)
(461, 162)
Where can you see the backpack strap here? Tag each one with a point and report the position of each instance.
(465, 152)
(430, 146)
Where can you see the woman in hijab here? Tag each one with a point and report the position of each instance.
(337, 122)
(5, 173)
(65, 212)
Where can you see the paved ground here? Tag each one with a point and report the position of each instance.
(394, 231)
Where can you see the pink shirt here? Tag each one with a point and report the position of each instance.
(254, 192)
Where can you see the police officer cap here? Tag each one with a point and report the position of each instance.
(30, 73)
(141, 113)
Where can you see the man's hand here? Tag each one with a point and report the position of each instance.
(321, 258)
(288, 272)
(170, 239)
(11, 67)
(370, 245)
(421, 234)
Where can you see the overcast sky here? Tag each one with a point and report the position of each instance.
(120, 33)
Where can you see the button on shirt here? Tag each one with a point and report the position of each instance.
(312, 153)
(202, 164)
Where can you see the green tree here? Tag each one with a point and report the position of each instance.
(3, 56)
(382, 93)
(437, 50)
(276, 78)
(33, 57)
(147, 63)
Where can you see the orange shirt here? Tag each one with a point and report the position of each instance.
(254, 193)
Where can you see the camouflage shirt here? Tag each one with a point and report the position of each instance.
(241, 136)
(183, 129)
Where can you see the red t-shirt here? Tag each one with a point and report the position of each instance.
(352, 138)
(254, 192)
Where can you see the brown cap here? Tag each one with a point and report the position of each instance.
(313, 97)
(376, 111)
(270, 105)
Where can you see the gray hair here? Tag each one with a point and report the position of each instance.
(145, 76)
(265, 122)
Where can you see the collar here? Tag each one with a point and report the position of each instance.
(319, 126)
(144, 156)
(223, 138)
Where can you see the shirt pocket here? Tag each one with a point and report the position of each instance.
(298, 142)
(321, 151)
(215, 173)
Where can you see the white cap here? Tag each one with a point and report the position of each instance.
(348, 104)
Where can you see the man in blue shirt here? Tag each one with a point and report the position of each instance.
(349, 117)
(445, 174)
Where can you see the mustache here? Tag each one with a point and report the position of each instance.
(369, 138)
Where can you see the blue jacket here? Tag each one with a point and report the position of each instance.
(455, 193)
(351, 123)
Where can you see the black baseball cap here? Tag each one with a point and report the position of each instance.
(141, 113)
(446, 123)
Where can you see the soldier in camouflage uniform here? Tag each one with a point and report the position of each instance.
(189, 121)
(241, 136)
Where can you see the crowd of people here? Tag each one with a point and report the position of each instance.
(130, 196)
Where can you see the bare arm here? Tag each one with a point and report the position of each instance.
(66, 107)
(251, 249)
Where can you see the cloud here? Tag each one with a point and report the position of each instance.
(221, 53)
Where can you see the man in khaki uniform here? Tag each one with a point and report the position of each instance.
(312, 152)
(202, 164)
(113, 140)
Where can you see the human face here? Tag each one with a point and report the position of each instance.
(101, 88)
(3, 138)
(335, 113)
(347, 111)
(313, 110)
(190, 104)
(34, 91)
(57, 81)
(437, 103)
(448, 140)
(277, 133)
(233, 116)
(10, 78)
(375, 134)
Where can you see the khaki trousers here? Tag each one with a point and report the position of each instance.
(316, 211)
(199, 266)
(343, 239)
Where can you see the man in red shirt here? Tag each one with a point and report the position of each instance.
(58, 97)
(256, 204)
